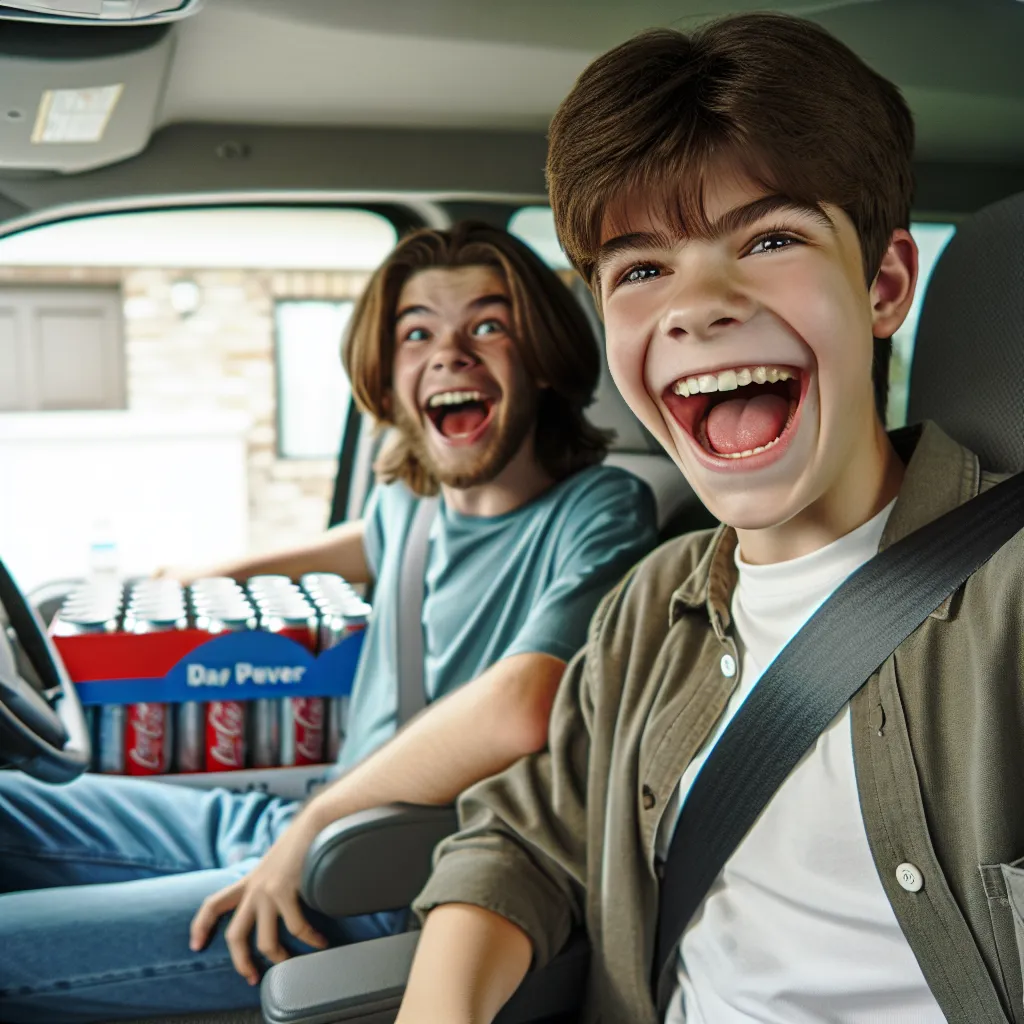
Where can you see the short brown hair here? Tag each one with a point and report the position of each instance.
(554, 339)
(794, 108)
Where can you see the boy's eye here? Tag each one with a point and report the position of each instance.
(771, 243)
(639, 272)
(492, 326)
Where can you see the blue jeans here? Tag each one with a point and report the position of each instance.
(99, 881)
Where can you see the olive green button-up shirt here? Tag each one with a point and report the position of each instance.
(566, 838)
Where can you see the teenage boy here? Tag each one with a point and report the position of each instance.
(483, 362)
(738, 200)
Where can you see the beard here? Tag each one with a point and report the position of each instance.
(518, 419)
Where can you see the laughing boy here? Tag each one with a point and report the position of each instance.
(738, 200)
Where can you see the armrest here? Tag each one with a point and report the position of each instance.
(364, 983)
(375, 860)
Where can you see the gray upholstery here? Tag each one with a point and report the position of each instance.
(374, 860)
(969, 352)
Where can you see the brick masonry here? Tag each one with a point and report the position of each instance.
(220, 358)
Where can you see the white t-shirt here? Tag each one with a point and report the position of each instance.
(797, 928)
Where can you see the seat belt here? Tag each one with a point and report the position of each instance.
(412, 696)
(813, 678)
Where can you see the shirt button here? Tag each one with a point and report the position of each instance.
(648, 798)
(910, 878)
(728, 665)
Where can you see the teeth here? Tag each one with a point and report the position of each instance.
(708, 383)
(747, 454)
(454, 398)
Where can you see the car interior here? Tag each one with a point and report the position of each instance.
(193, 119)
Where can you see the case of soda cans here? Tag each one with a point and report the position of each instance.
(216, 676)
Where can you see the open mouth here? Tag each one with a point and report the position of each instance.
(738, 413)
(460, 417)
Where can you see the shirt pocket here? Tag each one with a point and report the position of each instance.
(1004, 887)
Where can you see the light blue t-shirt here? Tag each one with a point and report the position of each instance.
(524, 582)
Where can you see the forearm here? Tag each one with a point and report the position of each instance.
(477, 732)
(339, 550)
(468, 964)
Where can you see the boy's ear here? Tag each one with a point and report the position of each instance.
(892, 290)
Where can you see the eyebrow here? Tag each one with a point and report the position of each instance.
(736, 219)
(484, 300)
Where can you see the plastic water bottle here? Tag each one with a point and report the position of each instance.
(103, 561)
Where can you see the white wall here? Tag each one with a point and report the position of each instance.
(171, 490)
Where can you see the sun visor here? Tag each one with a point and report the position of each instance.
(78, 98)
(86, 12)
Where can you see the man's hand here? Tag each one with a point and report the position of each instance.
(270, 892)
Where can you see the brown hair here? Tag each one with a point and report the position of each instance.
(776, 95)
(554, 339)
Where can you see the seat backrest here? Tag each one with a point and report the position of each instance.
(635, 450)
(969, 352)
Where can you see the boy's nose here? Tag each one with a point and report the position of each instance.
(702, 307)
(450, 355)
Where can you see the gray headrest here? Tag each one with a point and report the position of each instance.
(968, 366)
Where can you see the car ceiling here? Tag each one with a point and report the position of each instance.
(505, 64)
(454, 96)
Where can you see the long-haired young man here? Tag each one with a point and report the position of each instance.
(482, 362)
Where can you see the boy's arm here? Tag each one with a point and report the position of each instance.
(508, 889)
(341, 550)
(470, 962)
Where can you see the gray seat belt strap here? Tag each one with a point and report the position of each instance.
(412, 696)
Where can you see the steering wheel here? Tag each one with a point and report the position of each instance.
(42, 727)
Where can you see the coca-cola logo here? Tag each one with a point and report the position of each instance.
(227, 722)
(146, 745)
(309, 728)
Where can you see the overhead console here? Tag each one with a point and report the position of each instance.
(85, 12)
(75, 98)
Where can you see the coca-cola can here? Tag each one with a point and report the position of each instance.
(302, 730)
(147, 739)
(225, 733)
(149, 742)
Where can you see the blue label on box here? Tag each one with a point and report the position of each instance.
(239, 666)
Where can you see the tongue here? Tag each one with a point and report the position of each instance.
(745, 423)
(463, 421)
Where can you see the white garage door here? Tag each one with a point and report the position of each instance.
(61, 348)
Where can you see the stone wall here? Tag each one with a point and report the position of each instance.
(220, 357)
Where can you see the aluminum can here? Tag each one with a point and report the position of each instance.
(265, 733)
(337, 726)
(225, 735)
(190, 737)
(110, 734)
(149, 741)
(302, 730)
(348, 618)
(224, 747)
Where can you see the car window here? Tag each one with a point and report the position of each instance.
(535, 226)
(172, 382)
